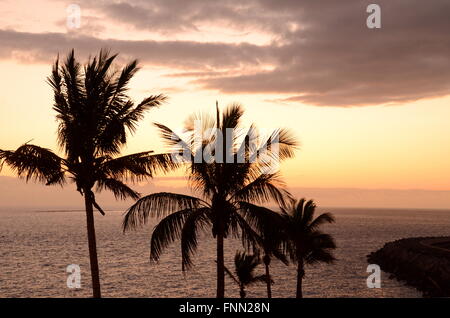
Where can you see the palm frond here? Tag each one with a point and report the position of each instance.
(138, 166)
(308, 212)
(173, 139)
(120, 190)
(270, 227)
(197, 221)
(167, 231)
(121, 83)
(307, 243)
(201, 120)
(231, 116)
(241, 228)
(323, 240)
(134, 115)
(264, 188)
(35, 163)
(71, 73)
(61, 106)
(245, 265)
(322, 219)
(261, 279)
(158, 205)
(321, 249)
(259, 217)
(298, 209)
(280, 145)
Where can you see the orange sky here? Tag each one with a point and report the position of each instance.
(373, 145)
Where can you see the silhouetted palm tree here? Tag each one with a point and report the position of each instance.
(308, 245)
(223, 187)
(244, 267)
(94, 114)
(273, 241)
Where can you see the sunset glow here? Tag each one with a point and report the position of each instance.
(358, 128)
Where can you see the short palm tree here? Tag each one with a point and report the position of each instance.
(244, 268)
(94, 114)
(273, 241)
(223, 187)
(307, 244)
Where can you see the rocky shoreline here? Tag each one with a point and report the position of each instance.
(421, 262)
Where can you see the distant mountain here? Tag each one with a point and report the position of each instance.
(17, 193)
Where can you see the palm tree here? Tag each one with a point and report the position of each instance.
(307, 244)
(223, 187)
(244, 267)
(94, 115)
(273, 241)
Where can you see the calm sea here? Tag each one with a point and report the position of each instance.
(36, 247)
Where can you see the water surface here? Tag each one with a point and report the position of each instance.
(36, 247)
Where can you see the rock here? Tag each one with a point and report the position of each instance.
(421, 262)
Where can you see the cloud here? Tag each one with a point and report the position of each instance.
(172, 16)
(43, 47)
(320, 52)
(333, 59)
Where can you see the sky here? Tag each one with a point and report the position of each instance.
(370, 107)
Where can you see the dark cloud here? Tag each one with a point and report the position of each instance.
(334, 59)
(168, 16)
(321, 52)
(179, 54)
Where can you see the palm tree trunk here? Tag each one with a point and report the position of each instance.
(92, 245)
(242, 292)
(220, 267)
(269, 285)
(300, 274)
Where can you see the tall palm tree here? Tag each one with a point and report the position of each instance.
(222, 187)
(273, 241)
(307, 244)
(94, 115)
(244, 268)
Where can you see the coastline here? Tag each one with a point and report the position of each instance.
(421, 262)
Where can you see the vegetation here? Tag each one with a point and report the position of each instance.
(273, 241)
(226, 190)
(244, 268)
(94, 115)
(308, 245)
(232, 175)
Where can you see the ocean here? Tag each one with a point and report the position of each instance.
(37, 246)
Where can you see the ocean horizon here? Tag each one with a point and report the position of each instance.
(36, 246)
